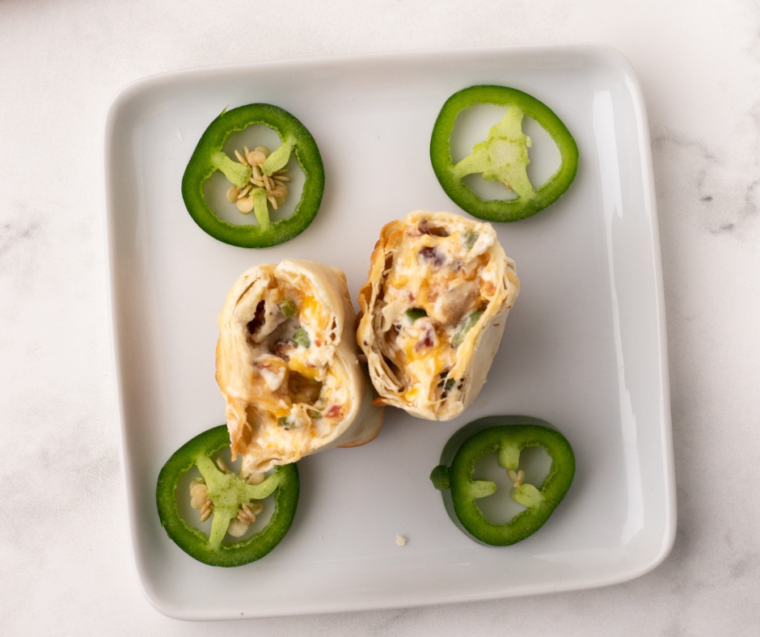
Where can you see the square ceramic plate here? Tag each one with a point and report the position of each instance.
(584, 346)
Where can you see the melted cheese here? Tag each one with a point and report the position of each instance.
(423, 367)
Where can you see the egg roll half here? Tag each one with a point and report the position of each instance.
(286, 363)
(433, 311)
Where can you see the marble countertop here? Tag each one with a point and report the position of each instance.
(67, 567)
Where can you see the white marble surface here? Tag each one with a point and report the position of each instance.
(65, 561)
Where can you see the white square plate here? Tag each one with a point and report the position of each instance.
(584, 346)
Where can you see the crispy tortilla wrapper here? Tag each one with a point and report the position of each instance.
(286, 364)
(433, 310)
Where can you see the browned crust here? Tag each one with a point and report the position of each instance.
(389, 235)
(365, 294)
(237, 444)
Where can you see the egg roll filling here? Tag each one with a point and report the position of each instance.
(438, 282)
(295, 397)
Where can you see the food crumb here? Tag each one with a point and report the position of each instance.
(400, 540)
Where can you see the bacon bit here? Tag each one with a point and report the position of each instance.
(254, 325)
(281, 349)
(431, 254)
(427, 341)
(489, 288)
(333, 412)
(318, 343)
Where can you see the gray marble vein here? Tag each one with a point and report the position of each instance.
(724, 196)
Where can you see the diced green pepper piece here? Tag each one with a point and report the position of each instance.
(464, 328)
(415, 313)
(508, 436)
(227, 492)
(314, 414)
(301, 337)
(288, 308)
(503, 156)
(446, 383)
(470, 237)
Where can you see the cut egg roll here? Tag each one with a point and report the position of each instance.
(287, 366)
(432, 313)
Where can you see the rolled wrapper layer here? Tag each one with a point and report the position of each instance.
(433, 311)
(287, 367)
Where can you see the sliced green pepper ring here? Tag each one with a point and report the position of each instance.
(227, 492)
(503, 156)
(209, 157)
(508, 436)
